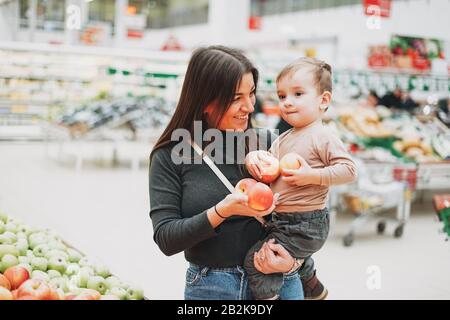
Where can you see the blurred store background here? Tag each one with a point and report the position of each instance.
(87, 86)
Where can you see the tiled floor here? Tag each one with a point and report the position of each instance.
(104, 212)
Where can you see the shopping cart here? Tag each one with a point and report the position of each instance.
(380, 188)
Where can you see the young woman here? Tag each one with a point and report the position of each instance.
(191, 210)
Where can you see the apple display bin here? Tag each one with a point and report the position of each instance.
(68, 245)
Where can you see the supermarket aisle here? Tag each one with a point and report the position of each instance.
(104, 213)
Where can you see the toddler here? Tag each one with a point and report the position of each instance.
(300, 222)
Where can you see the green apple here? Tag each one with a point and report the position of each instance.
(15, 220)
(39, 263)
(97, 283)
(102, 271)
(22, 246)
(23, 259)
(54, 274)
(12, 227)
(22, 236)
(8, 249)
(88, 270)
(135, 293)
(72, 269)
(40, 250)
(57, 253)
(5, 239)
(59, 283)
(52, 235)
(38, 274)
(2, 227)
(26, 266)
(57, 245)
(9, 260)
(74, 255)
(84, 274)
(113, 281)
(3, 217)
(35, 239)
(86, 262)
(23, 228)
(10, 235)
(119, 292)
(57, 263)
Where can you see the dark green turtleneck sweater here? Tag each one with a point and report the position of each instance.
(180, 195)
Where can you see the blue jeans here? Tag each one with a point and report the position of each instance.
(204, 283)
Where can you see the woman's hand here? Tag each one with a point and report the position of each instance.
(237, 204)
(253, 162)
(272, 258)
(303, 176)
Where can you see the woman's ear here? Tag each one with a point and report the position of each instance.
(208, 110)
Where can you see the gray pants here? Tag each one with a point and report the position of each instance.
(301, 234)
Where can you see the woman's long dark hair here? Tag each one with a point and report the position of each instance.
(213, 74)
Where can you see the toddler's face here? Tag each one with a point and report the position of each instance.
(299, 99)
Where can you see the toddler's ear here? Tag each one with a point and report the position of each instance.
(326, 99)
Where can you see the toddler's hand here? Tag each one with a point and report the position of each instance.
(301, 177)
(254, 161)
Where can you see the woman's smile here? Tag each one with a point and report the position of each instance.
(242, 117)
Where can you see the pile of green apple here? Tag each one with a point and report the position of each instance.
(49, 262)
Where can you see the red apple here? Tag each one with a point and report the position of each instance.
(289, 161)
(36, 288)
(70, 296)
(27, 298)
(4, 282)
(269, 171)
(5, 294)
(54, 295)
(245, 184)
(109, 297)
(15, 294)
(16, 276)
(260, 197)
(88, 294)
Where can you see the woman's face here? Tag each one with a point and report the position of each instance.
(237, 115)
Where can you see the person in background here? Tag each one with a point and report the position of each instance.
(372, 99)
(398, 100)
(392, 99)
(408, 104)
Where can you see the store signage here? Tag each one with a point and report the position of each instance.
(135, 34)
(381, 8)
(97, 33)
(137, 21)
(254, 23)
(172, 44)
(414, 52)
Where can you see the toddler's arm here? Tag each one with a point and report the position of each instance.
(341, 169)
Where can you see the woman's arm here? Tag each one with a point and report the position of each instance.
(172, 232)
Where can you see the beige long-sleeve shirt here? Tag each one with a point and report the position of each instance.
(324, 151)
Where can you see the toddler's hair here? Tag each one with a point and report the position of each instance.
(322, 72)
